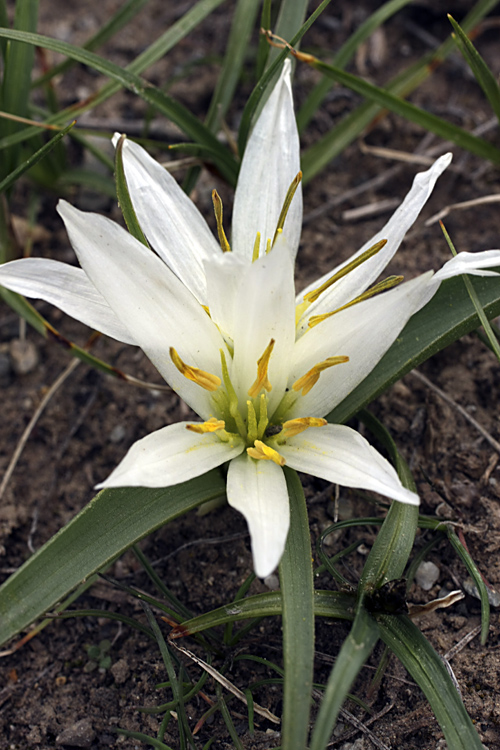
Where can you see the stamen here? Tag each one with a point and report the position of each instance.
(263, 418)
(307, 381)
(262, 380)
(294, 427)
(232, 398)
(251, 422)
(382, 286)
(256, 248)
(313, 296)
(211, 425)
(216, 200)
(286, 203)
(263, 452)
(205, 379)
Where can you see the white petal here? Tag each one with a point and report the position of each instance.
(470, 263)
(263, 310)
(169, 219)
(363, 332)
(159, 311)
(394, 231)
(66, 287)
(270, 162)
(170, 456)
(223, 275)
(258, 490)
(341, 455)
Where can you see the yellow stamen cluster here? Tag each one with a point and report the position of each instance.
(204, 379)
(307, 381)
(263, 452)
(262, 381)
(294, 427)
(211, 425)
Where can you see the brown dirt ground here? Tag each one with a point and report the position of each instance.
(45, 688)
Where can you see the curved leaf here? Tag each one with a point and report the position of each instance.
(105, 528)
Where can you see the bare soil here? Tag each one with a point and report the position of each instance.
(48, 696)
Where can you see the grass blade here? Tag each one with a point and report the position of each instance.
(385, 99)
(298, 620)
(431, 675)
(482, 73)
(343, 56)
(33, 159)
(355, 650)
(113, 521)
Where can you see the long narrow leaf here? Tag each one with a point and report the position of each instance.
(113, 521)
(409, 111)
(431, 675)
(448, 316)
(321, 153)
(298, 620)
(482, 73)
(392, 548)
(355, 650)
(33, 159)
(343, 56)
(154, 96)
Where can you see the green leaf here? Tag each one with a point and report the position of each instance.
(426, 120)
(124, 199)
(151, 94)
(113, 521)
(482, 73)
(321, 153)
(298, 619)
(429, 672)
(33, 159)
(355, 650)
(124, 14)
(326, 604)
(343, 55)
(449, 315)
(242, 26)
(16, 82)
(392, 548)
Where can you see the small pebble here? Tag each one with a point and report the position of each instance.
(23, 356)
(427, 575)
(80, 734)
(120, 671)
(471, 589)
(117, 433)
(272, 582)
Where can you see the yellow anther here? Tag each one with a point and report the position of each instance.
(211, 425)
(286, 204)
(262, 380)
(382, 286)
(294, 427)
(256, 248)
(205, 379)
(313, 296)
(216, 200)
(263, 452)
(307, 381)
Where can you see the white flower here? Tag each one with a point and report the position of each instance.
(258, 365)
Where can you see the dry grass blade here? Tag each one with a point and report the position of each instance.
(465, 414)
(34, 419)
(264, 712)
(485, 199)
